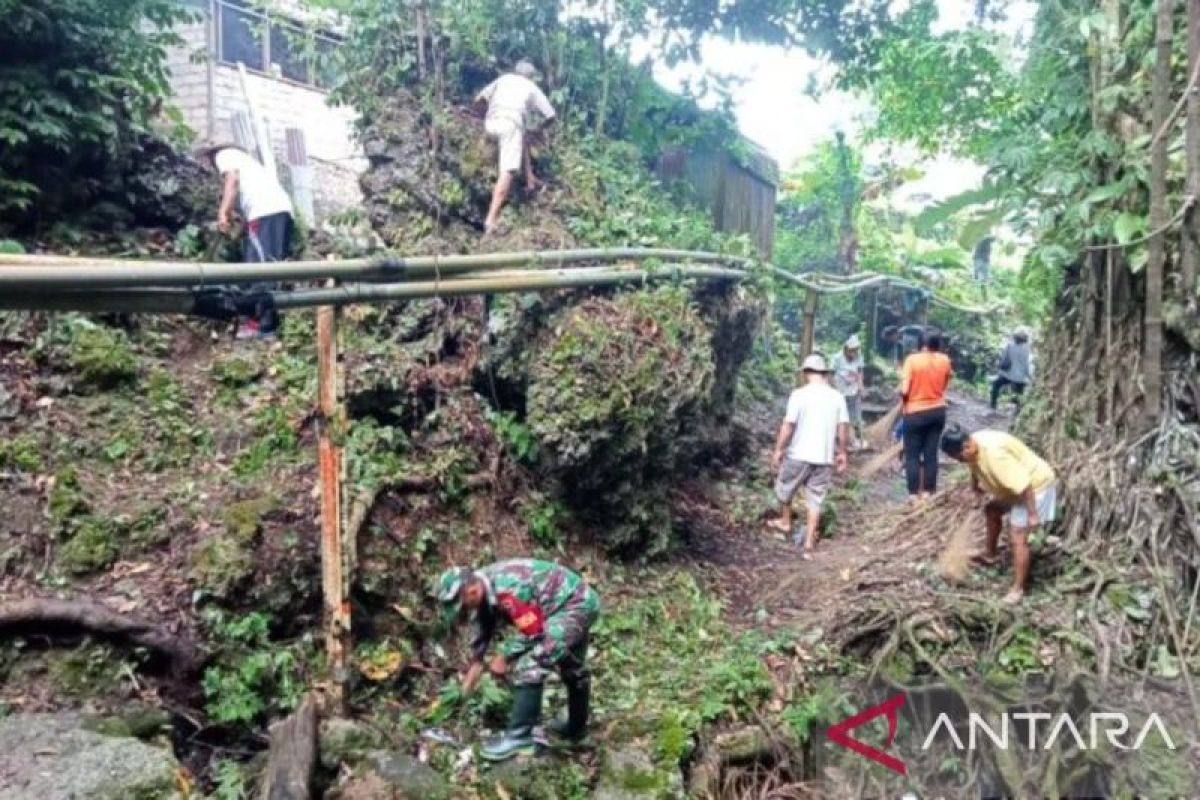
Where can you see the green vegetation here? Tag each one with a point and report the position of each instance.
(81, 88)
(252, 676)
(638, 365)
(101, 356)
(21, 453)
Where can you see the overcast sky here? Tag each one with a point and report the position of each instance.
(774, 109)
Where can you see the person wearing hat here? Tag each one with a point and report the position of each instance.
(810, 446)
(552, 609)
(1023, 488)
(848, 371)
(1015, 368)
(267, 210)
(510, 99)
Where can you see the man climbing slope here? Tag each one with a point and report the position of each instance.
(510, 99)
(553, 610)
(1023, 488)
(268, 213)
(810, 445)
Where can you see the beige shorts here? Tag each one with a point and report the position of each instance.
(815, 478)
(1046, 501)
(511, 141)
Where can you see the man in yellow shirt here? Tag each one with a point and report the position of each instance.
(1022, 485)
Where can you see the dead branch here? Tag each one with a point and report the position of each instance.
(292, 756)
(93, 617)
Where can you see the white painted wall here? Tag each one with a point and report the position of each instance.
(328, 130)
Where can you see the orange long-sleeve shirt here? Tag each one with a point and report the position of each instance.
(924, 380)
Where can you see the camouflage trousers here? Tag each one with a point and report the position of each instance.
(563, 646)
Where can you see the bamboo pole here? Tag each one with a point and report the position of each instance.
(810, 322)
(175, 301)
(336, 603)
(1155, 265)
(44, 273)
(1190, 256)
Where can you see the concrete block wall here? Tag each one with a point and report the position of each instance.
(328, 130)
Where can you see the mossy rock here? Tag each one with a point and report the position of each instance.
(223, 561)
(66, 497)
(139, 722)
(540, 778)
(86, 672)
(102, 357)
(346, 741)
(629, 773)
(243, 518)
(235, 371)
(615, 386)
(52, 757)
(21, 453)
(92, 546)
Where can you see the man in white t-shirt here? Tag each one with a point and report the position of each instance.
(268, 213)
(810, 446)
(848, 369)
(510, 99)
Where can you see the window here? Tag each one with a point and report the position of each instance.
(241, 36)
(276, 46)
(288, 46)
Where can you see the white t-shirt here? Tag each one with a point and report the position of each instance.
(845, 373)
(817, 410)
(512, 97)
(260, 194)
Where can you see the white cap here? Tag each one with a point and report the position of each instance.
(853, 342)
(526, 69)
(814, 363)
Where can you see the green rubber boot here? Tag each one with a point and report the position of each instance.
(518, 739)
(574, 727)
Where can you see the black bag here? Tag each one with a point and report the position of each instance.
(1005, 361)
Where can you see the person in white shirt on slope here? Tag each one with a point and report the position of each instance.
(510, 99)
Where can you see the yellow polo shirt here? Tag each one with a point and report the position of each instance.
(1005, 467)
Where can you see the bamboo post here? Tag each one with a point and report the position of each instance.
(1190, 257)
(810, 321)
(336, 603)
(874, 337)
(1152, 342)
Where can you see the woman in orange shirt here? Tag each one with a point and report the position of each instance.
(924, 379)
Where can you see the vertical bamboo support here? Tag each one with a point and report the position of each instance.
(810, 321)
(336, 604)
(874, 337)
(1190, 258)
(1152, 343)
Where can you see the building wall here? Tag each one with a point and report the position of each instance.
(328, 130)
(740, 201)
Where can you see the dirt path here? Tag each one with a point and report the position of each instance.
(763, 578)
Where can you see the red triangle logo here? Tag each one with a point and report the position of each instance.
(840, 733)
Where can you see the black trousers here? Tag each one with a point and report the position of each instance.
(922, 435)
(998, 387)
(267, 239)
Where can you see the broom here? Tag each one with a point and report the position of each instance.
(879, 432)
(954, 564)
(881, 461)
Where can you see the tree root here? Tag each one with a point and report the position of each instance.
(50, 616)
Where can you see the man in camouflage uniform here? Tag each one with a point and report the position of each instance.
(552, 609)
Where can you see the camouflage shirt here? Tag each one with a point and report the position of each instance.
(525, 593)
